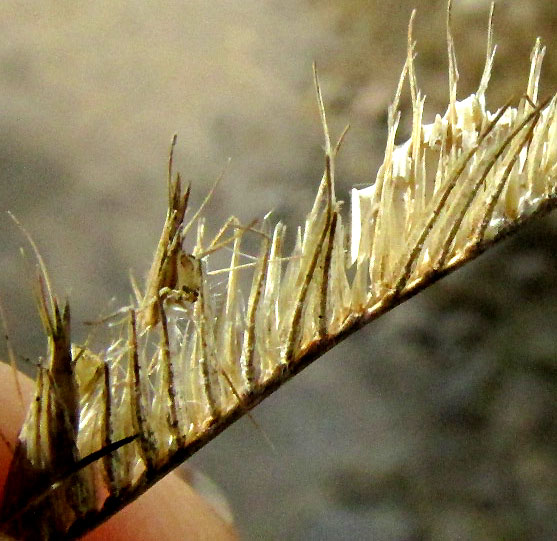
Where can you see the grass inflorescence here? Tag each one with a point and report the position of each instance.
(182, 365)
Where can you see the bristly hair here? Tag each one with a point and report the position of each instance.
(183, 367)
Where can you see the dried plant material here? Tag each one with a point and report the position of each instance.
(48, 440)
(171, 267)
(190, 366)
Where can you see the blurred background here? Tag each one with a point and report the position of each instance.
(438, 421)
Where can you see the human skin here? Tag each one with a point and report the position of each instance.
(170, 510)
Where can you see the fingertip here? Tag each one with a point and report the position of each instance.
(12, 414)
(170, 510)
